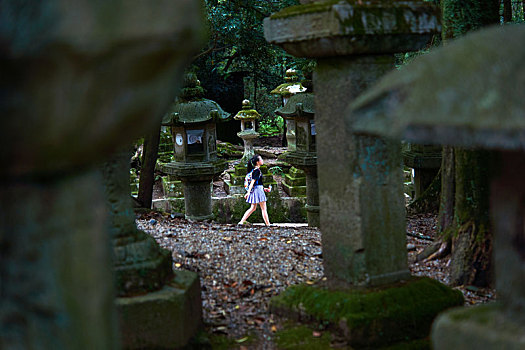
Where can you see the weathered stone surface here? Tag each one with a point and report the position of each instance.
(352, 27)
(360, 185)
(370, 318)
(165, 319)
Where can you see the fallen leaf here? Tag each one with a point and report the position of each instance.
(242, 340)
(273, 329)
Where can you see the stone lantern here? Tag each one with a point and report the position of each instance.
(291, 87)
(300, 112)
(247, 115)
(76, 88)
(487, 100)
(360, 181)
(192, 120)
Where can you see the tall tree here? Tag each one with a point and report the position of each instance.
(465, 188)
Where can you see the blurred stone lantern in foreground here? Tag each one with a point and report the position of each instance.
(300, 111)
(192, 120)
(489, 114)
(291, 87)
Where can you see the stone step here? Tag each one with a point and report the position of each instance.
(294, 181)
(294, 191)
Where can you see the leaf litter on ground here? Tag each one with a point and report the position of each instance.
(242, 267)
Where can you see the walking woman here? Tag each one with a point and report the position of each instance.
(255, 194)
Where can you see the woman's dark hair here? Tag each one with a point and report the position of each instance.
(251, 163)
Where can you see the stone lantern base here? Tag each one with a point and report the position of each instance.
(370, 318)
(164, 319)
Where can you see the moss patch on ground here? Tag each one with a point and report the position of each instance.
(298, 337)
(373, 317)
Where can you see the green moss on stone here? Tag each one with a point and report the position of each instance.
(371, 317)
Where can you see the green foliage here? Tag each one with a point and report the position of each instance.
(276, 170)
(271, 126)
(236, 36)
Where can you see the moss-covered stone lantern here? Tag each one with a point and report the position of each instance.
(300, 111)
(484, 109)
(247, 116)
(360, 180)
(291, 87)
(193, 119)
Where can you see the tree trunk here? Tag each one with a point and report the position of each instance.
(465, 175)
(472, 239)
(147, 172)
(507, 11)
(448, 186)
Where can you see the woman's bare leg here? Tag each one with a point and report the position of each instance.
(264, 213)
(248, 213)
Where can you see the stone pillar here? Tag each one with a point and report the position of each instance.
(197, 199)
(74, 89)
(360, 179)
(312, 196)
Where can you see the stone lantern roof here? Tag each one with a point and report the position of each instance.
(191, 108)
(292, 86)
(301, 104)
(247, 113)
(471, 95)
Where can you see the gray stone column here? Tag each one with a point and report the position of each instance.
(360, 178)
(197, 199)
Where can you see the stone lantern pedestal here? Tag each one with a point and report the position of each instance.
(360, 178)
(193, 119)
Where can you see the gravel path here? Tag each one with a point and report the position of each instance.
(242, 267)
